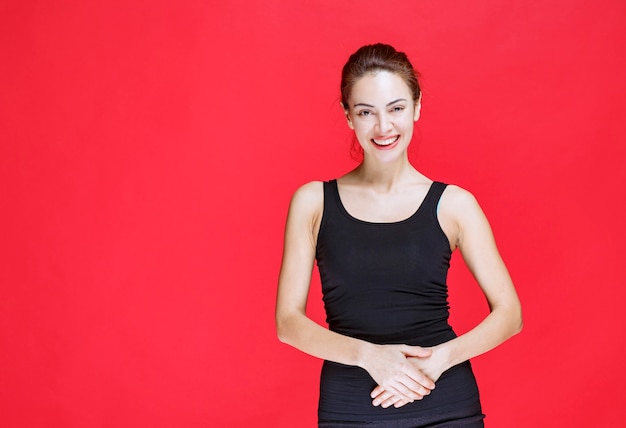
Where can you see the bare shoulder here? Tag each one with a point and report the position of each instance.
(305, 212)
(457, 201)
(309, 197)
(458, 212)
(307, 204)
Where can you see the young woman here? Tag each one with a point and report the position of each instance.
(383, 235)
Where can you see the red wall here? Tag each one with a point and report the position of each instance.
(148, 151)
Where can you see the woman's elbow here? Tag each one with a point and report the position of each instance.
(511, 318)
(281, 333)
(282, 328)
(518, 320)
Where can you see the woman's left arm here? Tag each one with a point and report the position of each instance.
(467, 228)
(464, 221)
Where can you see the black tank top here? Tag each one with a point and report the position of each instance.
(384, 283)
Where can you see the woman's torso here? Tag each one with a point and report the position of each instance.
(386, 283)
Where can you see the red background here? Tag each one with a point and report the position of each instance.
(148, 151)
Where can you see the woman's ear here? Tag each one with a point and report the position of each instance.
(418, 107)
(347, 113)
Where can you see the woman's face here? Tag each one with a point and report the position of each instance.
(382, 113)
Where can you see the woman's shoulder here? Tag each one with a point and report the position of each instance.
(457, 211)
(308, 198)
(310, 191)
(457, 193)
(306, 209)
(457, 200)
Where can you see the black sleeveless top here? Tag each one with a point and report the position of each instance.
(386, 283)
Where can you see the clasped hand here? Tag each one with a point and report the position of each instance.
(404, 374)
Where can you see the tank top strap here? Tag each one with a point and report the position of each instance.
(331, 196)
(431, 202)
(331, 209)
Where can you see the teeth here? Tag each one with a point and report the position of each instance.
(387, 141)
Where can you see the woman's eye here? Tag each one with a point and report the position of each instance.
(398, 108)
(364, 113)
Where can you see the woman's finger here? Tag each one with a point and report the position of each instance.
(382, 397)
(377, 391)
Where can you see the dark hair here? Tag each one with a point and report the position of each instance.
(373, 58)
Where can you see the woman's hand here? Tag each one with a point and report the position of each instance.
(430, 365)
(399, 378)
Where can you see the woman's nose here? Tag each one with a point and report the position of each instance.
(384, 123)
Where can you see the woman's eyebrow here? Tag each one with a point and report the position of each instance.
(396, 101)
(388, 104)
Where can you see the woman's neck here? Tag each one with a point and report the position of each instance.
(385, 177)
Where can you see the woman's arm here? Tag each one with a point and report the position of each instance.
(387, 364)
(477, 245)
(467, 228)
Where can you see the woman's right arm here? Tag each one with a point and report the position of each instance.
(387, 364)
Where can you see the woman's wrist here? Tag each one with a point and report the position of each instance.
(443, 353)
(364, 353)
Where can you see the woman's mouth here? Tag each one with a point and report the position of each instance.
(386, 143)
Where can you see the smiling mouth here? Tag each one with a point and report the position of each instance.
(386, 142)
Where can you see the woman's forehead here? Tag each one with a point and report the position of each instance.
(380, 87)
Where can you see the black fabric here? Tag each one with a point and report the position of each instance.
(386, 283)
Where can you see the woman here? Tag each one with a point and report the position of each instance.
(383, 235)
